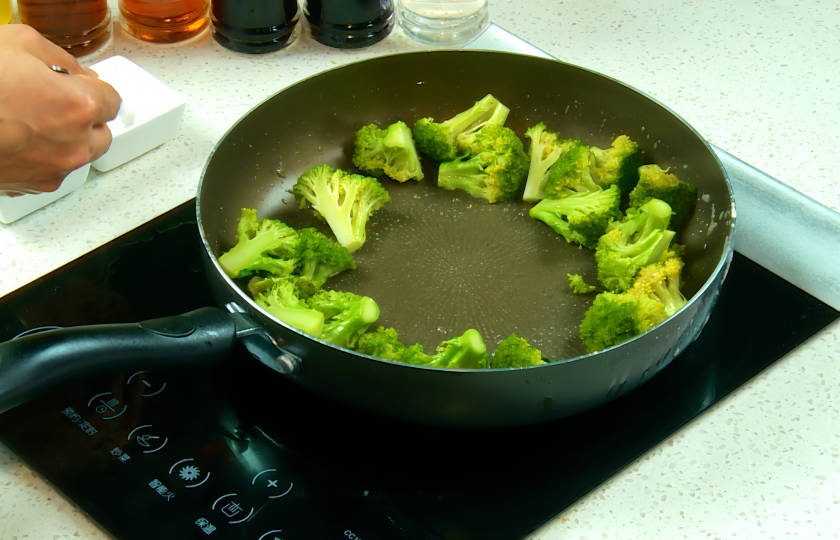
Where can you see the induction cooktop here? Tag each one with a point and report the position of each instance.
(235, 451)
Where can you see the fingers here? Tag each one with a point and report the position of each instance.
(46, 51)
(75, 104)
(109, 100)
(100, 141)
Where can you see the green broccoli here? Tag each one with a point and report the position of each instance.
(640, 222)
(466, 351)
(580, 217)
(570, 173)
(278, 297)
(578, 286)
(637, 241)
(343, 201)
(618, 165)
(516, 352)
(390, 151)
(654, 182)
(265, 245)
(320, 259)
(493, 170)
(615, 318)
(438, 140)
(347, 315)
(544, 152)
(662, 281)
(383, 343)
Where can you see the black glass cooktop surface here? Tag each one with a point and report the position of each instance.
(235, 451)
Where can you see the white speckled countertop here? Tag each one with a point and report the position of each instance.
(760, 80)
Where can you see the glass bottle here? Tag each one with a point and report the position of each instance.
(349, 24)
(5, 11)
(78, 26)
(254, 26)
(442, 22)
(164, 21)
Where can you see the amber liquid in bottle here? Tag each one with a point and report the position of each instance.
(78, 26)
(164, 21)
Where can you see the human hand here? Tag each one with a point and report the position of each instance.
(50, 123)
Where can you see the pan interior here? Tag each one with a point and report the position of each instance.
(440, 262)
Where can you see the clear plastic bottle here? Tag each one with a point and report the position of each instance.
(349, 24)
(78, 26)
(164, 21)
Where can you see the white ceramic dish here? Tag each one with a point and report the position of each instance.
(14, 208)
(150, 114)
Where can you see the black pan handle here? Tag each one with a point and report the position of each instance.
(37, 362)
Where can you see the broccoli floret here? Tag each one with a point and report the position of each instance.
(570, 173)
(662, 281)
(615, 318)
(390, 151)
(278, 297)
(544, 152)
(580, 217)
(493, 170)
(383, 343)
(343, 201)
(438, 141)
(516, 352)
(578, 286)
(632, 243)
(347, 315)
(466, 351)
(639, 222)
(618, 165)
(265, 245)
(320, 259)
(654, 182)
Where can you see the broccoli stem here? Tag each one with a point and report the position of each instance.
(305, 320)
(246, 253)
(537, 173)
(338, 214)
(670, 296)
(463, 352)
(659, 216)
(344, 329)
(465, 174)
(487, 110)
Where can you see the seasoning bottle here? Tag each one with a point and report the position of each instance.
(78, 26)
(164, 21)
(442, 22)
(349, 24)
(5, 11)
(254, 26)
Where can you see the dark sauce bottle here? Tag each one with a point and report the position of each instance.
(349, 24)
(254, 26)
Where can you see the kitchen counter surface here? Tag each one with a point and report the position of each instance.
(759, 80)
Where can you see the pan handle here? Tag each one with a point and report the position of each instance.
(34, 363)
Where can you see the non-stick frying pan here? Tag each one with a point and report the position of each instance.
(437, 262)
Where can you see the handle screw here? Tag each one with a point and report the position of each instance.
(287, 364)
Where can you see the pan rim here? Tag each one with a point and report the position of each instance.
(722, 266)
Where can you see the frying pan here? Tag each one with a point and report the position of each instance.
(437, 262)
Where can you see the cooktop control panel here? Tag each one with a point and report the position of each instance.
(163, 455)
